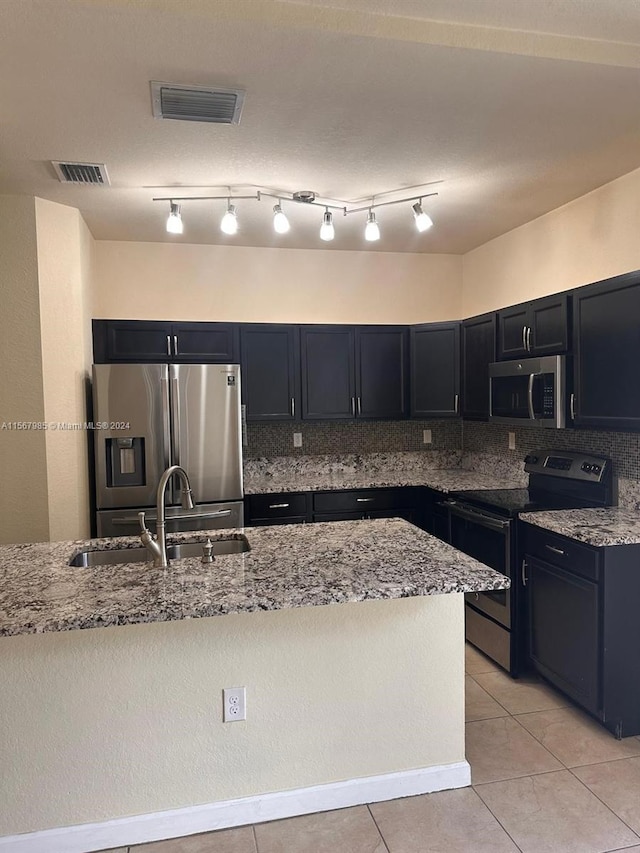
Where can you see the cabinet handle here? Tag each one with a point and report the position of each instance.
(175, 345)
(524, 337)
(556, 550)
(456, 403)
(524, 572)
(364, 500)
(572, 406)
(278, 506)
(168, 344)
(528, 338)
(353, 407)
(359, 406)
(293, 407)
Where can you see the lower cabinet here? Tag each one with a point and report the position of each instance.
(289, 508)
(584, 632)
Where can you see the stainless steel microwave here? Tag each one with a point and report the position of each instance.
(529, 391)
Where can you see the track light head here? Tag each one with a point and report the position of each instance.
(372, 230)
(280, 221)
(174, 220)
(229, 223)
(327, 231)
(423, 220)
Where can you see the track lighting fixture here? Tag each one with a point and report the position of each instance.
(423, 220)
(372, 229)
(327, 231)
(280, 221)
(174, 220)
(229, 223)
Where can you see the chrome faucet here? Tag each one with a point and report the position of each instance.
(157, 545)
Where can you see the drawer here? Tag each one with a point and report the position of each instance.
(562, 552)
(364, 500)
(277, 505)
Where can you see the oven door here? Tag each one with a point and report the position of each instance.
(486, 537)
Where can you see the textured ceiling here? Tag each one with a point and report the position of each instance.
(515, 108)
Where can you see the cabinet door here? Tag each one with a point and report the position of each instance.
(270, 372)
(565, 631)
(606, 336)
(478, 352)
(512, 331)
(381, 371)
(328, 372)
(549, 324)
(435, 370)
(134, 341)
(205, 342)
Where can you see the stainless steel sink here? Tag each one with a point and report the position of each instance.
(87, 559)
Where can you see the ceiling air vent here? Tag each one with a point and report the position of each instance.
(81, 173)
(196, 103)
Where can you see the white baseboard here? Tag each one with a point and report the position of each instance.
(121, 832)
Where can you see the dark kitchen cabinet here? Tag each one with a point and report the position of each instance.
(606, 332)
(478, 339)
(270, 361)
(140, 341)
(277, 508)
(583, 626)
(352, 372)
(435, 370)
(535, 328)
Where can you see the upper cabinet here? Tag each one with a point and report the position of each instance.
(606, 334)
(352, 372)
(478, 336)
(535, 328)
(151, 341)
(269, 356)
(435, 370)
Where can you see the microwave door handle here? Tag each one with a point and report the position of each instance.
(532, 379)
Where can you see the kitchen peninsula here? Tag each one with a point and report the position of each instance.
(345, 704)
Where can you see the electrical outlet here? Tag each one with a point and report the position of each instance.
(297, 439)
(512, 441)
(426, 436)
(234, 704)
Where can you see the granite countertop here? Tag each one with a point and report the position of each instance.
(598, 527)
(288, 566)
(441, 479)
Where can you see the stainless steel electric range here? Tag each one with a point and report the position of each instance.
(484, 525)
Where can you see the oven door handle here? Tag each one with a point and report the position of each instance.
(477, 517)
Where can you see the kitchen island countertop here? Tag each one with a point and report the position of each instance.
(599, 527)
(288, 566)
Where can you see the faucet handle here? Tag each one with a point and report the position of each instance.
(143, 525)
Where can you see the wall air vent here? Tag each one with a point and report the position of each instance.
(196, 103)
(81, 173)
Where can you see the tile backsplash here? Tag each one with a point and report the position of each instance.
(333, 438)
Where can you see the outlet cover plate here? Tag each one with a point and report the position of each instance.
(512, 441)
(234, 704)
(426, 436)
(297, 439)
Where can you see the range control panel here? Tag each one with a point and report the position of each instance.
(567, 464)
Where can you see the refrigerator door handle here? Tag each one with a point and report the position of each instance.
(166, 422)
(175, 420)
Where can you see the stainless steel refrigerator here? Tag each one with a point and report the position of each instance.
(150, 416)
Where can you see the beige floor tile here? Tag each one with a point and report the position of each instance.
(616, 783)
(475, 661)
(478, 704)
(520, 695)
(576, 739)
(446, 822)
(348, 831)
(555, 813)
(502, 749)
(239, 840)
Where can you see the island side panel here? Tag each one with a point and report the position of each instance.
(105, 723)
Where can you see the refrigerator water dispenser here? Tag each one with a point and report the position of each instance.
(125, 462)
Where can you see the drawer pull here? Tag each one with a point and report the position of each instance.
(364, 500)
(556, 550)
(278, 506)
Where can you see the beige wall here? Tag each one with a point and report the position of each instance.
(594, 237)
(121, 721)
(192, 282)
(23, 496)
(63, 243)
